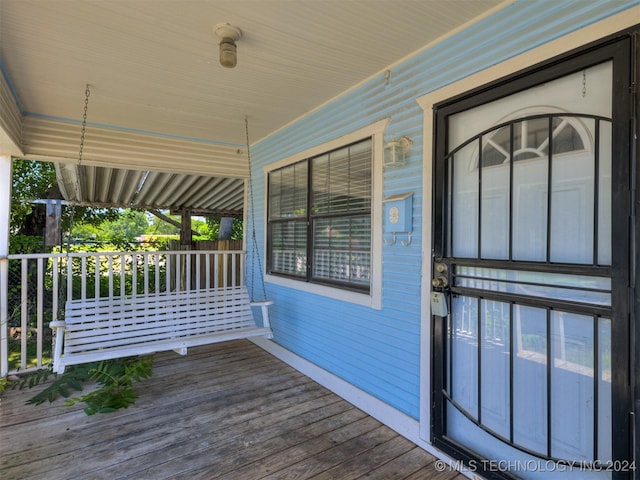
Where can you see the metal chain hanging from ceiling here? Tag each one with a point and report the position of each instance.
(255, 252)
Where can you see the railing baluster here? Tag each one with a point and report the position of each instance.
(188, 284)
(96, 273)
(40, 314)
(54, 293)
(243, 269)
(207, 266)
(233, 269)
(216, 270)
(4, 316)
(157, 257)
(188, 275)
(145, 267)
(83, 277)
(134, 274)
(198, 271)
(225, 270)
(110, 270)
(123, 264)
(167, 266)
(24, 295)
(178, 271)
(69, 295)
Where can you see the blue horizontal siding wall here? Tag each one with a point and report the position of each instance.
(379, 350)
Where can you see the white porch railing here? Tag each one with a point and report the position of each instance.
(35, 287)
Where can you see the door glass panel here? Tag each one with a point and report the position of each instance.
(604, 195)
(572, 389)
(604, 389)
(495, 366)
(465, 202)
(578, 288)
(494, 200)
(572, 193)
(530, 378)
(464, 354)
(530, 186)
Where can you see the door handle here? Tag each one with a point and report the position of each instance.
(440, 282)
(441, 279)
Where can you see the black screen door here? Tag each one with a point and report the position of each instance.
(532, 210)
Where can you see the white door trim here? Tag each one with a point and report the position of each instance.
(574, 40)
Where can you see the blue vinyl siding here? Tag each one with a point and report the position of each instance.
(379, 350)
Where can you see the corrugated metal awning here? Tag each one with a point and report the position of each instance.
(115, 187)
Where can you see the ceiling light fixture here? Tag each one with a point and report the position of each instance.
(228, 35)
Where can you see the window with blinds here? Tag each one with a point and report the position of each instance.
(319, 224)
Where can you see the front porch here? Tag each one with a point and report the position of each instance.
(228, 410)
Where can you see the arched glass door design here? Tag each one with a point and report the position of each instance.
(532, 236)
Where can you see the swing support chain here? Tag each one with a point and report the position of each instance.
(255, 252)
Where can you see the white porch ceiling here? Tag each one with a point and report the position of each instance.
(152, 65)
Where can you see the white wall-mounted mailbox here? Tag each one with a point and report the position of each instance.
(398, 213)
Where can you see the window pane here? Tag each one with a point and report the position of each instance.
(360, 176)
(321, 181)
(289, 248)
(342, 180)
(342, 250)
(288, 191)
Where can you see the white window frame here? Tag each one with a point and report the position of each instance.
(373, 298)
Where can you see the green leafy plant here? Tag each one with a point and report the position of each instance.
(115, 377)
(4, 383)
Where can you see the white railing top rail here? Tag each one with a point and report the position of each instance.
(30, 256)
(35, 291)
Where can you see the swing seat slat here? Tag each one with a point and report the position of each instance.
(114, 327)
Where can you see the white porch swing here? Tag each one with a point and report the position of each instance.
(104, 328)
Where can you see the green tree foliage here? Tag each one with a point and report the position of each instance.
(213, 227)
(130, 225)
(37, 181)
(115, 377)
(160, 227)
(31, 180)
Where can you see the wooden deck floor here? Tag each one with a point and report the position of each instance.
(228, 411)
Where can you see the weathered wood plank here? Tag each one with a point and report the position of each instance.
(334, 456)
(167, 422)
(401, 466)
(224, 411)
(368, 460)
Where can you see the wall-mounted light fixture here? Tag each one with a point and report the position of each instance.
(228, 35)
(395, 151)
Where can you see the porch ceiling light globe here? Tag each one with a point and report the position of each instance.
(228, 34)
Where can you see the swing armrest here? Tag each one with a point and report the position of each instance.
(58, 327)
(57, 324)
(264, 304)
